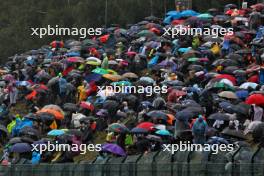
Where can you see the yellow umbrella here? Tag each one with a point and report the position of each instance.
(112, 77)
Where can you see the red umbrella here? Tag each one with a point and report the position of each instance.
(87, 105)
(131, 53)
(226, 76)
(176, 22)
(146, 125)
(257, 99)
(229, 12)
(75, 59)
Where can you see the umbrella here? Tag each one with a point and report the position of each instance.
(242, 109)
(147, 79)
(139, 130)
(184, 115)
(70, 107)
(257, 99)
(87, 105)
(56, 132)
(100, 71)
(113, 148)
(93, 77)
(46, 117)
(29, 131)
(87, 119)
(57, 114)
(221, 18)
(20, 148)
(247, 85)
(93, 61)
(129, 75)
(163, 133)
(188, 13)
(75, 59)
(154, 138)
(146, 33)
(53, 107)
(112, 77)
(3, 129)
(227, 94)
(146, 125)
(234, 133)
(118, 128)
(212, 39)
(205, 15)
(15, 140)
(242, 94)
(157, 115)
(226, 106)
(219, 116)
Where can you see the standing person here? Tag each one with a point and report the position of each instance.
(199, 130)
(62, 86)
(13, 92)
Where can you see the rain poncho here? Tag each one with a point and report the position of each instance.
(199, 130)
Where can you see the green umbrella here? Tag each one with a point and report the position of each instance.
(100, 71)
(193, 59)
(205, 15)
(145, 33)
(118, 128)
(223, 86)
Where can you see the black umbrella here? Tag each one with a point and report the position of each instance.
(87, 119)
(234, 133)
(242, 109)
(70, 107)
(15, 140)
(219, 116)
(46, 118)
(157, 115)
(154, 138)
(196, 67)
(3, 129)
(184, 115)
(29, 131)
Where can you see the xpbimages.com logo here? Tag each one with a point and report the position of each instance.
(148, 90)
(50, 147)
(65, 31)
(185, 30)
(187, 146)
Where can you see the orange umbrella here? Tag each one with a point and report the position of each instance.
(57, 114)
(111, 77)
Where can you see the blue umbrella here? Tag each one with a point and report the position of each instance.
(21, 148)
(72, 54)
(56, 132)
(188, 13)
(242, 94)
(163, 132)
(184, 50)
(226, 106)
(93, 77)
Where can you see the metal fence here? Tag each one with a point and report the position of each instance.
(152, 164)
